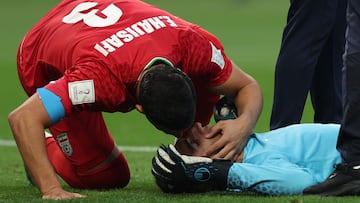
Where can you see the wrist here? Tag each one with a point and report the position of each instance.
(49, 185)
(221, 172)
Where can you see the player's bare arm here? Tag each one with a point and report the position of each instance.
(27, 123)
(248, 99)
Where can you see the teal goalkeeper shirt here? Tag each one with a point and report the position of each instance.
(287, 160)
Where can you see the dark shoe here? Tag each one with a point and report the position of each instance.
(345, 180)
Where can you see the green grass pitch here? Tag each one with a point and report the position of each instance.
(250, 31)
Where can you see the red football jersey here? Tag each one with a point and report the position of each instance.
(94, 52)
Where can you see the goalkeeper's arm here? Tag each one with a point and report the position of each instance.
(175, 173)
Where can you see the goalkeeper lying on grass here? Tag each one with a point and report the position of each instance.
(278, 162)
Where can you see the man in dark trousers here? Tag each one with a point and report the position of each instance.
(310, 60)
(345, 180)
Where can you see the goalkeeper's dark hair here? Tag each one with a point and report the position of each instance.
(168, 98)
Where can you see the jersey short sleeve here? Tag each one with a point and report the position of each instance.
(206, 57)
(89, 86)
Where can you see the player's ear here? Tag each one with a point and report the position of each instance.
(139, 108)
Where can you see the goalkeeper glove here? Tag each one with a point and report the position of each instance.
(225, 109)
(176, 173)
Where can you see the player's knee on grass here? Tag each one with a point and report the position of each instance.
(116, 174)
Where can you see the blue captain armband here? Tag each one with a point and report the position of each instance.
(52, 104)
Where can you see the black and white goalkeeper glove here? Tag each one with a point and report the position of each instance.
(176, 173)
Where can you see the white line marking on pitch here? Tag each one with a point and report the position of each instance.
(11, 143)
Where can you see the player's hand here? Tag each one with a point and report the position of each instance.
(59, 193)
(175, 173)
(232, 142)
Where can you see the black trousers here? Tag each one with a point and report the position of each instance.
(310, 61)
(349, 137)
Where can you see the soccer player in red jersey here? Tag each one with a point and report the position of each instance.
(84, 58)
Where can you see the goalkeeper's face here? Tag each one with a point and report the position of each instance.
(195, 143)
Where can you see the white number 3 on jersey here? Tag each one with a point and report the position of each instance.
(112, 13)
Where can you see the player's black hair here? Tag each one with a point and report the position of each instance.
(168, 98)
